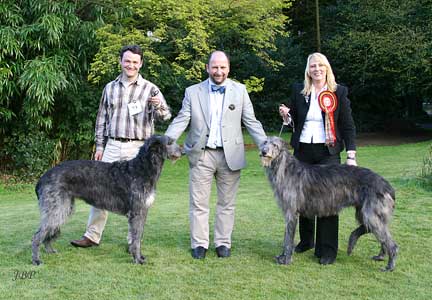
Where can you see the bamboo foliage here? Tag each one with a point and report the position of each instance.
(40, 57)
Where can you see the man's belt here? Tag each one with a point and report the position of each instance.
(124, 140)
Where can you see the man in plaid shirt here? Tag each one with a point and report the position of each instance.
(128, 107)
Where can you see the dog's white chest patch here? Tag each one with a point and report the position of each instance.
(150, 199)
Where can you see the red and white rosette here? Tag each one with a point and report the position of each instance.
(328, 103)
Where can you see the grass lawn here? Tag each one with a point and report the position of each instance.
(106, 272)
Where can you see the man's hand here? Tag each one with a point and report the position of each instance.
(98, 155)
(155, 101)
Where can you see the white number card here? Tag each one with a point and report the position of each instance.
(134, 107)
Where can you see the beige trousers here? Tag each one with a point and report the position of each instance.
(212, 164)
(114, 151)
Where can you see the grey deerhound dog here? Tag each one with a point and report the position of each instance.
(319, 190)
(123, 187)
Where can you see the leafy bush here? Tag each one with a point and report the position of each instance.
(30, 154)
(426, 171)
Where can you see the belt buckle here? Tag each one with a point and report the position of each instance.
(121, 140)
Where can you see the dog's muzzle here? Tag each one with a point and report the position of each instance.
(174, 153)
(266, 158)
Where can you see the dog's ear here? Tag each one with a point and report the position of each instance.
(165, 140)
(170, 140)
(155, 139)
(263, 143)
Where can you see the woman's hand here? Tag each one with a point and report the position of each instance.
(351, 162)
(283, 110)
(351, 158)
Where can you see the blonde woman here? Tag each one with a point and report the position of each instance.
(323, 127)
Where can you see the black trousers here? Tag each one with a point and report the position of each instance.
(326, 244)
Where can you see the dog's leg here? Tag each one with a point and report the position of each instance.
(291, 222)
(51, 238)
(392, 249)
(381, 254)
(388, 246)
(36, 241)
(45, 235)
(354, 237)
(55, 207)
(136, 229)
(376, 217)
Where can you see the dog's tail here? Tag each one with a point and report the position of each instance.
(388, 197)
(37, 188)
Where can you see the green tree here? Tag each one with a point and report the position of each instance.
(48, 46)
(382, 50)
(178, 35)
(35, 60)
(303, 26)
(45, 50)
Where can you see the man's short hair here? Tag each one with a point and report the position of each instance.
(211, 54)
(135, 49)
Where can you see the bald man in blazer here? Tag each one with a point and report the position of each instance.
(215, 110)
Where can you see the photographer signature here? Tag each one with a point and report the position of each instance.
(22, 275)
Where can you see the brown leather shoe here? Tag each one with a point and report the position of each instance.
(84, 242)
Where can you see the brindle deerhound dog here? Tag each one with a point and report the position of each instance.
(319, 190)
(123, 187)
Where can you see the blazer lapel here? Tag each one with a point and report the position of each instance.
(229, 92)
(304, 104)
(204, 100)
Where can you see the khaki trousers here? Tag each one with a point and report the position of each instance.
(212, 164)
(114, 151)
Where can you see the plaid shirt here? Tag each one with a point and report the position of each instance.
(113, 118)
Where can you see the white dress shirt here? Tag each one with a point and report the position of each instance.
(216, 106)
(313, 129)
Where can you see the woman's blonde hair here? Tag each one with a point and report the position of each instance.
(330, 78)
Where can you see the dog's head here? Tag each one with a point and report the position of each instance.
(174, 151)
(164, 145)
(270, 150)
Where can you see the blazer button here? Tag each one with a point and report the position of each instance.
(202, 148)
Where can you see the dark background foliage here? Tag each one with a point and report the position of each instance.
(56, 56)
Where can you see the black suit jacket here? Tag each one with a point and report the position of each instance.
(344, 123)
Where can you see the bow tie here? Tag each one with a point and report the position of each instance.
(218, 88)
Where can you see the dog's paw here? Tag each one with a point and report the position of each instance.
(378, 257)
(283, 259)
(387, 269)
(139, 260)
(36, 262)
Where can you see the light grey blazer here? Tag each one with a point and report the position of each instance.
(195, 112)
